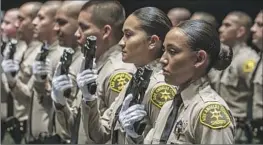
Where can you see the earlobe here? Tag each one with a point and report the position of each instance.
(154, 40)
(201, 58)
(241, 31)
(107, 31)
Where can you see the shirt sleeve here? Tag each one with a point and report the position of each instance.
(213, 124)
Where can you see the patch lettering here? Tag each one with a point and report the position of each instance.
(162, 94)
(119, 80)
(215, 116)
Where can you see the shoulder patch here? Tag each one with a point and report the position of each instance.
(162, 94)
(249, 65)
(119, 80)
(215, 116)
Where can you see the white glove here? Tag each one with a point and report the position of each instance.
(41, 68)
(60, 83)
(84, 78)
(129, 115)
(10, 66)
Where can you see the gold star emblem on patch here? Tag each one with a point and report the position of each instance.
(162, 94)
(165, 95)
(119, 80)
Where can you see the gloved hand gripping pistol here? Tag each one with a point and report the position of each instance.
(66, 60)
(89, 50)
(137, 88)
(13, 43)
(43, 55)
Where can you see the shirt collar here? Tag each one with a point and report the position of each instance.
(238, 47)
(155, 66)
(103, 58)
(77, 53)
(193, 89)
(33, 44)
(53, 46)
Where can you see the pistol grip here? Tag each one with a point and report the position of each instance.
(67, 93)
(43, 77)
(139, 126)
(92, 88)
(13, 74)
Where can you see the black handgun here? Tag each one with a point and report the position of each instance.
(137, 88)
(43, 55)
(66, 60)
(13, 43)
(89, 50)
(44, 52)
(4, 40)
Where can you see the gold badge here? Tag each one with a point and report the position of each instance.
(215, 116)
(249, 66)
(162, 94)
(119, 80)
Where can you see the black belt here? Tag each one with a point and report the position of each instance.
(45, 138)
(257, 124)
(257, 128)
(15, 128)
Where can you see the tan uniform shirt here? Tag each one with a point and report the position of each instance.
(42, 109)
(203, 118)
(113, 75)
(100, 128)
(110, 68)
(258, 90)
(20, 49)
(235, 84)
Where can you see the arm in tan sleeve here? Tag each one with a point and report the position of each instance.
(66, 117)
(149, 136)
(66, 114)
(97, 127)
(42, 88)
(22, 90)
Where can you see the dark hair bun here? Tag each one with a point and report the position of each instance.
(224, 57)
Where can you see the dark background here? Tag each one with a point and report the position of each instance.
(218, 8)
